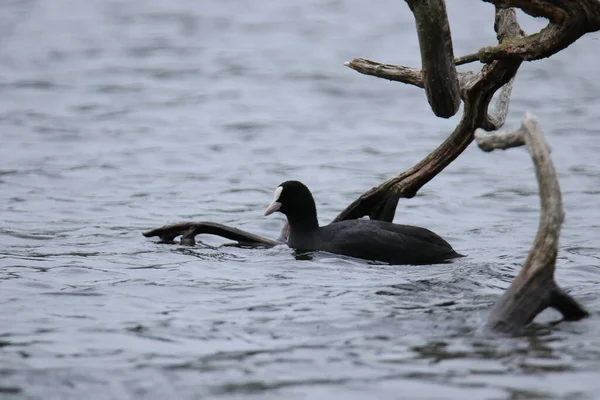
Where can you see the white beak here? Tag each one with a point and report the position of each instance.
(275, 206)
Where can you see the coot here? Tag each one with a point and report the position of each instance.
(366, 239)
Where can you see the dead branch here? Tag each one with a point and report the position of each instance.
(500, 140)
(568, 21)
(408, 75)
(189, 230)
(534, 289)
(437, 56)
(476, 92)
(498, 117)
(466, 59)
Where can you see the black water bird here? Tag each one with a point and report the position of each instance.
(366, 239)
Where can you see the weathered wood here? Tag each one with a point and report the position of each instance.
(477, 92)
(497, 119)
(534, 289)
(505, 141)
(557, 11)
(408, 75)
(437, 56)
(466, 59)
(189, 230)
(568, 21)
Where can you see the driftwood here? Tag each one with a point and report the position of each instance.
(189, 230)
(534, 289)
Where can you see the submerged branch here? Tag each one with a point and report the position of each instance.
(534, 289)
(189, 230)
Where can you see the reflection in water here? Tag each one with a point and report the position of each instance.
(119, 117)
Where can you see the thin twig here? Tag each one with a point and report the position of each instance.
(466, 59)
(398, 73)
(408, 75)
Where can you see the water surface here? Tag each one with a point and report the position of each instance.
(120, 116)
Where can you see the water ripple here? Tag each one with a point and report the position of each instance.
(157, 112)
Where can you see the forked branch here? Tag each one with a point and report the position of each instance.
(568, 21)
(477, 92)
(534, 289)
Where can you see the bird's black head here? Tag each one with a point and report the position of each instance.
(293, 199)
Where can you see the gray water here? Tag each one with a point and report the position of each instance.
(121, 116)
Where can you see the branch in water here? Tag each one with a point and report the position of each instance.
(534, 289)
(189, 230)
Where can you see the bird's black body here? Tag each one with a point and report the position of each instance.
(366, 239)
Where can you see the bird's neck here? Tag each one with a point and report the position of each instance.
(303, 223)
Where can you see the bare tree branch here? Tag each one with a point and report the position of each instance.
(557, 11)
(408, 75)
(500, 140)
(437, 56)
(569, 20)
(534, 289)
(381, 202)
(466, 59)
(498, 117)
